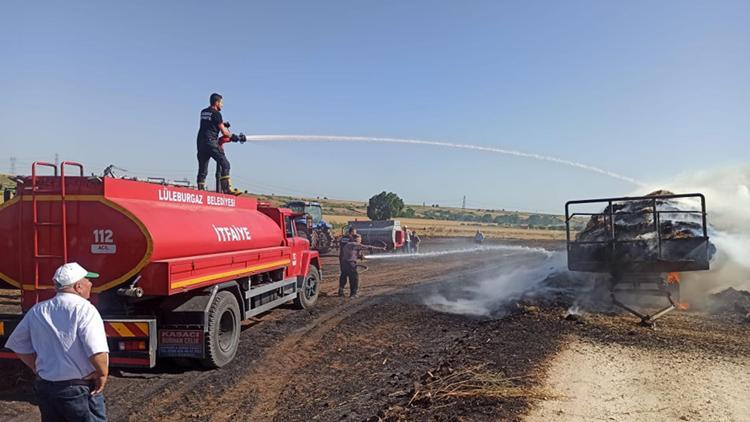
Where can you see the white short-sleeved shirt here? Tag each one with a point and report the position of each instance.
(63, 332)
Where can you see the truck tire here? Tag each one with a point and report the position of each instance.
(308, 293)
(223, 335)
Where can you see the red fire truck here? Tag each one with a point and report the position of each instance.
(179, 268)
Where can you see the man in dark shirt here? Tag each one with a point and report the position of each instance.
(212, 124)
(348, 261)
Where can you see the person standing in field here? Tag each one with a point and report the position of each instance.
(63, 341)
(415, 242)
(348, 256)
(407, 241)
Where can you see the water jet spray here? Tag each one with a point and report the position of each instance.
(366, 139)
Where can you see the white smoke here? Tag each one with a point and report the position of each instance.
(727, 193)
(486, 296)
(335, 138)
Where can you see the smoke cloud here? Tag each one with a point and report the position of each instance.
(526, 270)
(727, 193)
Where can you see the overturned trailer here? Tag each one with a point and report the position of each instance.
(643, 243)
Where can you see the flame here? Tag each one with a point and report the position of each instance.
(683, 306)
(673, 278)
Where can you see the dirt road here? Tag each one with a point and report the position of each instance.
(387, 356)
(592, 381)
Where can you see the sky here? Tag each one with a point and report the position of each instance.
(649, 90)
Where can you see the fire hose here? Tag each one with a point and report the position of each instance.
(241, 138)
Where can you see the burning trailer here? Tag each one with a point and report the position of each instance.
(643, 243)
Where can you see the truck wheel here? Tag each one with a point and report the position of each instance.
(308, 294)
(223, 335)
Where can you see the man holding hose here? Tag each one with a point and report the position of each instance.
(348, 256)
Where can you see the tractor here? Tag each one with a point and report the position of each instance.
(310, 223)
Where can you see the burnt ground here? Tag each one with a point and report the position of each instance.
(387, 356)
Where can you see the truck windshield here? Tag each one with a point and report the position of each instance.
(297, 208)
(316, 213)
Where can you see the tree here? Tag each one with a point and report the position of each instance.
(408, 213)
(384, 206)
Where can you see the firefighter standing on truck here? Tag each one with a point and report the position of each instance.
(211, 125)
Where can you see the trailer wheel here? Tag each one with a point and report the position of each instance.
(223, 335)
(308, 294)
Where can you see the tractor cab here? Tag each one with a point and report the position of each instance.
(310, 223)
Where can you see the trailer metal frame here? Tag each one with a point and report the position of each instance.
(615, 255)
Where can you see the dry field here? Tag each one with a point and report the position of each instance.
(388, 356)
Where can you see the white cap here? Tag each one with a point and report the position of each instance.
(70, 273)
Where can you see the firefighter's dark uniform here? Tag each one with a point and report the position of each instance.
(208, 147)
(348, 255)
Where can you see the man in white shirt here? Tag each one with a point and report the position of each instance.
(63, 341)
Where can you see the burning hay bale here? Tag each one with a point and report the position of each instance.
(642, 243)
(648, 234)
(635, 220)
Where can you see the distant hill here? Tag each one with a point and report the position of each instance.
(501, 218)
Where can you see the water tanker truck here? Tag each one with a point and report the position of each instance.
(179, 268)
(387, 234)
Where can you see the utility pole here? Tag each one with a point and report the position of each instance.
(57, 159)
(463, 204)
(13, 165)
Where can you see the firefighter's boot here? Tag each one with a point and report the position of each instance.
(201, 185)
(226, 187)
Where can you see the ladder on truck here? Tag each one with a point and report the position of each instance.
(61, 224)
